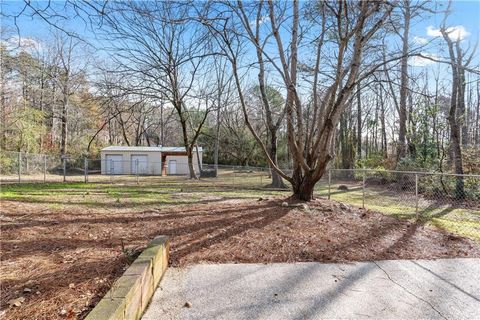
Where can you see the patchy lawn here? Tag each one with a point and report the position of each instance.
(460, 218)
(62, 243)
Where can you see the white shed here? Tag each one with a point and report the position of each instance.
(148, 160)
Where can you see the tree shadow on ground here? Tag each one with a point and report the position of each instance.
(198, 233)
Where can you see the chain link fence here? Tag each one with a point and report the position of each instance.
(19, 167)
(448, 201)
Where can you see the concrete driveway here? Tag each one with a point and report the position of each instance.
(399, 289)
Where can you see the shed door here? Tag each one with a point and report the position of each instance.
(114, 163)
(140, 162)
(172, 166)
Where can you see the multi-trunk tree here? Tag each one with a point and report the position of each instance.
(459, 61)
(346, 28)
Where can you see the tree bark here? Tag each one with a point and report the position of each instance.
(455, 139)
(191, 168)
(217, 135)
(188, 149)
(359, 123)
(477, 121)
(277, 181)
(63, 131)
(402, 116)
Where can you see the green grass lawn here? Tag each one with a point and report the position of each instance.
(144, 195)
(164, 191)
(462, 219)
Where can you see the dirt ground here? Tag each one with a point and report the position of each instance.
(58, 263)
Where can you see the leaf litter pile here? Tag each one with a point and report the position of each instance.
(58, 263)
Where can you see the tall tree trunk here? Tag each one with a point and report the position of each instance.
(217, 135)
(277, 181)
(455, 139)
(63, 131)
(434, 120)
(412, 129)
(303, 186)
(384, 128)
(162, 126)
(188, 149)
(199, 163)
(461, 110)
(477, 121)
(402, 116)
(191, 168)
(359, 123)
(375, 132)
(457, 155)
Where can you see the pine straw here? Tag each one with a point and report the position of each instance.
(69, 258)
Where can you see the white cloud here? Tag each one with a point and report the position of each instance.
(22, 44)
(419, 40)
(455, 33)
(262, 20)
(417, 61)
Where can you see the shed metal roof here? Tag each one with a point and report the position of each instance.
(147, 149)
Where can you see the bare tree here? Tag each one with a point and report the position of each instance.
(158, 48)
(271, 106)
(68, 73)
(459, 61)
(402, 107)
(353, 26)
(223, 96)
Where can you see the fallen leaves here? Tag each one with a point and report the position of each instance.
(75, 265)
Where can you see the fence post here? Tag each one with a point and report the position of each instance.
(234, 176)
(136, 168)
(416, 195)
(329, 181)
(19, 166)
(85, 169)
(363, 189)
(64, 169)
(44, 168)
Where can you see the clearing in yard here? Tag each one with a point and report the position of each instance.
(64, 244)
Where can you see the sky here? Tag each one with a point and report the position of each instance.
(465, 18)
(464, 21)
(465, 13)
